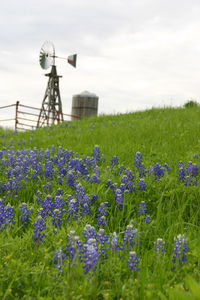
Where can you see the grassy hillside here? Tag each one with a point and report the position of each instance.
(134, 178)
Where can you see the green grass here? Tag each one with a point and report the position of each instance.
(165, 135)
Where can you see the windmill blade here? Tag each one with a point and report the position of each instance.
(47, 55)
(72, 60)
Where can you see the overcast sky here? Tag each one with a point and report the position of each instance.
(133, 54)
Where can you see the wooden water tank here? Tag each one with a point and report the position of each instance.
(84, 105)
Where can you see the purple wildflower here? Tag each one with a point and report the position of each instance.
(6, 215)
(56, 218)
(158, 171)
(130, 237)
(96, 154)
(47, 187)
(39, 227)
(90, 255)
(148, 219)
(181, 173)
(86, 205)
(102, 214)
(95, 179)
(114, 161)
(180, 249)
(114, 242)
(25, 213)
(142, 208)
(142, 185)
(73, 247)
(138, 160)
(70, 179)
(119, 199)
(89, 232)
(73, 208)
(103, 239)
(133, 261)
(159, 247)
(59, 259)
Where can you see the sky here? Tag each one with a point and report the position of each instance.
(133, 54)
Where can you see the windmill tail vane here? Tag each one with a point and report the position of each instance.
(71, 59)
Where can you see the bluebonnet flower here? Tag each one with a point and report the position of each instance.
(113, 187)
(12, 185)
(150, 170)
(195, 156)
(142, 171)
(52, 149)
(142, 185)
(166, 167)
(94, 197)
(189, 168)
(129, 174)
(108, 183)
(188, 181)
(159, 247)
(120, 170)
(103, 239)
(47, 207)
(86, 205)
(59, 180)
(49, 169)
(70, 179)
(25, 213)
(90, 255)
(96, 154)
(130, 237)
(114, 161)
(47, 187)
(95, 179)
(142, 208)
(39, 227)
(80, 192)
(195, 170)
(73, 247)
(59, 192)
(138, 160)
(38, 197)
(10, 142)
(148, 219)
(180, 249)
(114, 242)
(56, 216)
(97, 171)
(158, 171)
(119, 199)
(59, 257)
(6, 215)
(124, 179)
(181, 172)
(102, 214)
(133, 261)
(73, 208)
(89, 232)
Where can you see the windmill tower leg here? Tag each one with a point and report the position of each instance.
(51, 110)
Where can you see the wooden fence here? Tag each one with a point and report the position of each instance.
(26, 117)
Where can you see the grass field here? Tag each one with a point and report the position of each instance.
(104, 208)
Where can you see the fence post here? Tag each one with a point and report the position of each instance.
(16, 115)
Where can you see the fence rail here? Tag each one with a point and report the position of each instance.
(21, 115)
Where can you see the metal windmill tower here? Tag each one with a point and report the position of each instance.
(51, 110)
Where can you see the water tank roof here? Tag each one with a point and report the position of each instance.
(87, 94)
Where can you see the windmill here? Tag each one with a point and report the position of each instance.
(51, 110)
